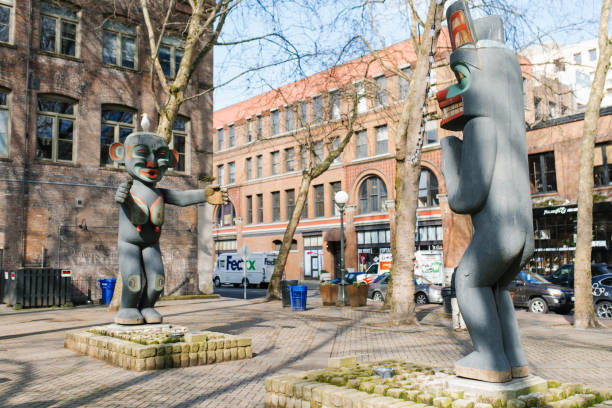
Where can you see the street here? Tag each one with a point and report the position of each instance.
(237, 293)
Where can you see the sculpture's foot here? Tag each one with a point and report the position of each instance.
(129, 315)
(520, 371)
(479, 366)
(151, 315)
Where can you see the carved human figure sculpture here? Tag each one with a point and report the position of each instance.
(141, 215)
(487, 177)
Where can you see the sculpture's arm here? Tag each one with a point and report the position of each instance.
(468, 166)
(183, 198)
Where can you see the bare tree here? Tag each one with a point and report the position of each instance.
(584, 315)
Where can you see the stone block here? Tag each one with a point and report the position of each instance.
(176, 360)
(317, 392)
(202, 357)
(462, 403)
(150, 363)
(306, 404)
(248, 352)
(515, 403)
(299, 388)
(444, 402)
(195, 337)
(241, 353)
(168, 361)
(234, 353)
(378, 402)
(211, 345)
(410, 395)
(482, 405)
(338, 362)
(282, 401)
(243, 342)
(146, 351)
(227, 354)
(210, 356)
(139, 364)
(176, 348)
(194, 347)
(193, 359)
(219, 355)
(184, 360)
(307, 390)
(185, 347)
(367, 386)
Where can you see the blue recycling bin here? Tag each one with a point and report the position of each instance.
(108, 288)
(298, 297)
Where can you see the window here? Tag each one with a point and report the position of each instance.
(382, 140)
(314, 241)
(5, 20)
(593, 54)
(303, 158)
(119, 45)
(334, 105)
(290, 201)
(559, 64)
(305, 209)
(289, 160)
(4, 123)
(259, 208)
(58, 29)
(259, 166)
(249, 209)
(429, 233)
(362, 102)
(335, 143)
(117, 124)
(275, 162)
(288, 119)
(317, 109)
(231, 173)
(276, 206)
(225, 245)
(225, 215)
(381, 90)
(278, 243)
(303, 114)
(431, 131)
(372, 195)
(55, 129)
(334, 188)
(428, 189)
(274, 123)
(232, 135)
(602, 170)
(220, 141)
(221, 174)
(318, 152)
(542, 172)
(259, 129)
(170, 54)
(180, 142)
(361, 141)
(247, 126)
(404, 83)
(552, 110)
(578, 58)
(249, 168)
(319, 200)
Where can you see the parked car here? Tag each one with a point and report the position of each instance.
(425, 291)
(538, 295)
(602, 296)
(564, 276)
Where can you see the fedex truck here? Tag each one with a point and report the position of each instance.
(259, 268)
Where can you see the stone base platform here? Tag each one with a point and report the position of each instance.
(417, 386)
(154, 347)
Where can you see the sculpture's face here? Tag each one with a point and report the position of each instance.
(146, 156)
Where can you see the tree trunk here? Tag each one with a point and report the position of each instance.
(584, 314)
(401, 298)
(279, 267)
(115, 303)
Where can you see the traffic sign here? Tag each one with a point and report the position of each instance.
(245, 252)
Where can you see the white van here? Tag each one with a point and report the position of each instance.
(228, 269)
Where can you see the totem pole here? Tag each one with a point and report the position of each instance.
(487, 177)
(141, 215)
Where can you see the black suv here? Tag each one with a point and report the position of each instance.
(564, 276)
(538, 295)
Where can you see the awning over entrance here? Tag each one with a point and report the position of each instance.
(333, 235)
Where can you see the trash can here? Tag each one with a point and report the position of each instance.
(298, 297)
(108, 288)
(285, 294)
(447, 294)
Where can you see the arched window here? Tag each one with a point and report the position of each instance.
(428, 189)
(225, 215)
(372, 195)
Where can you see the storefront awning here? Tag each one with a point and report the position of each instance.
(333, 235)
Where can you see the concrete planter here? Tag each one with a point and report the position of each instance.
(358, 295)
(329, 294)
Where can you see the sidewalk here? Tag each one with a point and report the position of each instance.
(36, 371)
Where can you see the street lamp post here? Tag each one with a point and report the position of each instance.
(341, 198)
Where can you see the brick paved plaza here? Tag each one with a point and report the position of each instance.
(36, 370)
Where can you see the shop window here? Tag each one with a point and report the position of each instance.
(276, 206)
(6, 20)
(314, 241)
(220, 141)
(319, 197)
(382, 139)
(119, 45)
(361, 144)
(381, 90)
(170, 55)
(429, 234)
(249, 209)
(334, 105)
(55, 131)
(372, 195)
(259, 208)
(4, 122)
(249, 168)
(428, 189)
(288, 119)
(334, 188)
(58, 29)
(542, 174)
(602, 170)
(275, 162)
(404, 83)
(231, 173)
(289, 160)
(225, 215)
(290, 202)
(232, 135)
(221, 174)
(117, 124)
(180, 143)
(274, 122)
(226, 245)
(372, 246)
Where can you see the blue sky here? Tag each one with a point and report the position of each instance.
(324, 32)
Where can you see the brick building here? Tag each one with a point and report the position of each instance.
(74, 78)
(257, 156)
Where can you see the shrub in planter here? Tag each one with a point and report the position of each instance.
(357, 293)
(329, 293)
